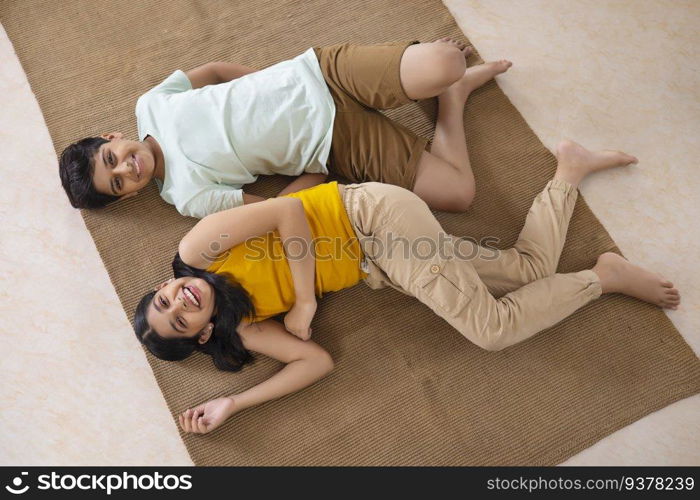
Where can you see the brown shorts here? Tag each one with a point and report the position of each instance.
(367, 145)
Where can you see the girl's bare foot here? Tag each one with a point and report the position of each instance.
(474, 78)
(466, 50)
(576, 162)
(617, 275)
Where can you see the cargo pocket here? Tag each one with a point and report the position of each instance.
(447, 285)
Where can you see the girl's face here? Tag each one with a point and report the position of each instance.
(182, 307)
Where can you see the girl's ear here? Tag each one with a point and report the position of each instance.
(158, 287)
(206, 333)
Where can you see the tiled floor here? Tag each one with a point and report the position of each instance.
(611, 74)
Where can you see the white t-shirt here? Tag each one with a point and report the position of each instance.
(217, 138)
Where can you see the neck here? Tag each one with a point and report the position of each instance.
(159, 168)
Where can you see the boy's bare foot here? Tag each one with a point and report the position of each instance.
(576, 162)
(474, 78)
(617, 275)
(466, 50)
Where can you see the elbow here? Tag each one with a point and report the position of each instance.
(325, 363)
(295, 202)
(291, 204)
(186, 250)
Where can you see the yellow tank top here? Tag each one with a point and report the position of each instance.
(260, 264)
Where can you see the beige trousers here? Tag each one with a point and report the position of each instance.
(495, 298)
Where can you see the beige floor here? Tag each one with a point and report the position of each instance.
(76, 387)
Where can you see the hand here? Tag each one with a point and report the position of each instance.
(298, 320)
(207, 416)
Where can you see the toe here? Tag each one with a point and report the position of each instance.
(629, 159)
(667, 284)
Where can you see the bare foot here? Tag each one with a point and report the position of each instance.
(576, 162)
(466, 50)
(474, 78)
(617, 275)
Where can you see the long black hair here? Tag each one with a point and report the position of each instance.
(232, 304)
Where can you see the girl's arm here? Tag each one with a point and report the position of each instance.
(218, 232)
(306, 362)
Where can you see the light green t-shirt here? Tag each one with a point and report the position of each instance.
(217, 138)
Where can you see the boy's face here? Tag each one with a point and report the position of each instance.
(122, 167)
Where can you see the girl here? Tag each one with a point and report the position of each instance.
(225, 291)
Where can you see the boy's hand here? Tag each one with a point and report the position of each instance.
(207, 416)
(298, 320)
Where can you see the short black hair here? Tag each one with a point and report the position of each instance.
(76, 167)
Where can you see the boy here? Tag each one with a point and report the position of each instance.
(206, 133)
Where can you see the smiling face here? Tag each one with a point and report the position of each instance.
(181, 308)
(121, 166)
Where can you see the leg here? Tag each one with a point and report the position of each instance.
(368, 146)
(400, 235)
(617, 275)
(536, 253)
(441, 185)
(376, 75)
(444, 178)
(411, 250)
(428, 69)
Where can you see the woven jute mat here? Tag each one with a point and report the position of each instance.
(407, 388)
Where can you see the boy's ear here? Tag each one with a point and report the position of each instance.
(112, 135)
(128, 196)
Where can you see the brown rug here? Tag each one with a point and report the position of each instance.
(407, 388)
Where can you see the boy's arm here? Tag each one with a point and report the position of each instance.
(227, 71)
(252, 198)
(304, 181)
(216, 72)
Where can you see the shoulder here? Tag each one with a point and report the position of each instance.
(174, 83)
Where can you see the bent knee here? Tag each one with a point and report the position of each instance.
(447, 63)
(459, 200)
(492, 344)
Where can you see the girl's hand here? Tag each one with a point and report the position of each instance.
(207, 416)
(298, 320)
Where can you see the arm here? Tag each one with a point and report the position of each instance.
(252, 198)
(227, 71)
(213, 199)
(213, 73)
(306, 362)
(226, 229)
(304, 181)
